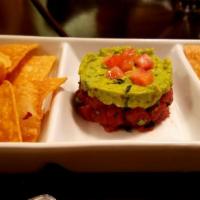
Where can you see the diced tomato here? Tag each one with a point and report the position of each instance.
(142, 77)
(115, 73)
(114, 61)
(144, 61)
(127, 65)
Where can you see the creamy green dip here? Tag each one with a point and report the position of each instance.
(122, 92)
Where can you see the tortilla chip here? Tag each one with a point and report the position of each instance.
(16, 53)
(5, 60)
(45, 88)
(31, 128)
(30, 97)
(36, 68)
(48, 85)
(2, 73)
(9, 119)
(27, 97)
(27, 101)
(192, 52)
(5, 63)
(24, 94)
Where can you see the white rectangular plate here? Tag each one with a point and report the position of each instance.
(68, 140)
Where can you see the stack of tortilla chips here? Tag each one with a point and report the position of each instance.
(24, 85)
(192, 53)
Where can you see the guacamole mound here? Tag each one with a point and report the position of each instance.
(122, 92)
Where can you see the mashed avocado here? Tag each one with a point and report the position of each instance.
(122, 92)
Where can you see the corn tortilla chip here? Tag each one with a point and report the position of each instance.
(5, 63)
(192, 52)
(31, 128)
(24, 91)
(16, 53)
(47, 86)
(27, 97)
(30, 97)
(5, 60)
(27, 100)
(2, 73)
(9, 119)
(36, 68)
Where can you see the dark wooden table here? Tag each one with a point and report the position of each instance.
(90, 18)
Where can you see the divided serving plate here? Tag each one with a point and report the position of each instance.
(79, 145)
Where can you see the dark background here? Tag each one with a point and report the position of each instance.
(103, 18)
(67, 185)
(111, 19)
